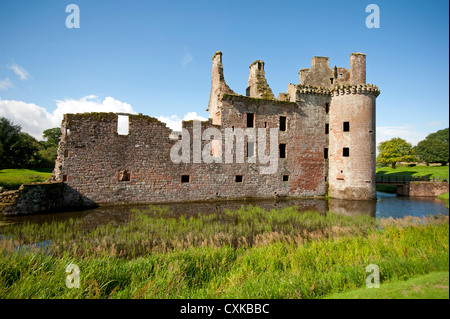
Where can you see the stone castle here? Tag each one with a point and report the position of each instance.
(326, 143)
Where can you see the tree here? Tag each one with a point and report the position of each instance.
(432, 151)
(442, 135)
(19, 149)
(395, 150)
(48, 150)
(9, 136)
(48, 156)
(25, 152)
(434, 148)
(52, 136)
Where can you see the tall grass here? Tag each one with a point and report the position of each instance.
(275, 254)
(159, 230)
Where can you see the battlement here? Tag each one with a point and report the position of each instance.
(309, 89)
(356, 89)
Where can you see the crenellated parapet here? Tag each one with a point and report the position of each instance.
(309, 89)
(356, 89)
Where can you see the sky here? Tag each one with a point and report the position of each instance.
(154, 57)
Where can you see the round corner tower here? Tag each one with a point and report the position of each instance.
(352, 142)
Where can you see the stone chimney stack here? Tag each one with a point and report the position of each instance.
(257, 83)
(357, 68)
(218, 85)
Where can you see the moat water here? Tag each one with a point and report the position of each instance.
(387, 205)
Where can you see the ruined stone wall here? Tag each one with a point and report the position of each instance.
(218, 180)
(218, 88)
(99, 165)
(322, 75)
(32, 198)
(305, 140)
(93, 158)
(310, 141)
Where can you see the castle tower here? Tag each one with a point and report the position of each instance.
(352, 135)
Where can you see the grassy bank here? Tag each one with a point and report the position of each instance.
(12, 178)
(431, 286)
(443, 196)
(431, 171)
(249, 253)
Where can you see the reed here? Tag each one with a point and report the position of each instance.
(158, 230)
(275, 254)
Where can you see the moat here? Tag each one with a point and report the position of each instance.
(387, 205)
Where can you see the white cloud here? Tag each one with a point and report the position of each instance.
(408, 133)
(193, 116)
(174, 122)
(20, 71)
(187, 58)
(5, 84)
(90, 103)
(31, 117)
(34, 119)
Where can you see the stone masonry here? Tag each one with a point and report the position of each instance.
(98, 164)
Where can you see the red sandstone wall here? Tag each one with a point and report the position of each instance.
(91, 158)
(352, 177)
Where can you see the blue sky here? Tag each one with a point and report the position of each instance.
(155, 57)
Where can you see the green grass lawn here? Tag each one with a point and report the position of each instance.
(431, 171)
(430, 286)
(13, 178)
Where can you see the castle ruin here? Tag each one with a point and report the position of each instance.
(326, 138)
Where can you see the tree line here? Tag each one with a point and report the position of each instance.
(21, 150)
(433, 149)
